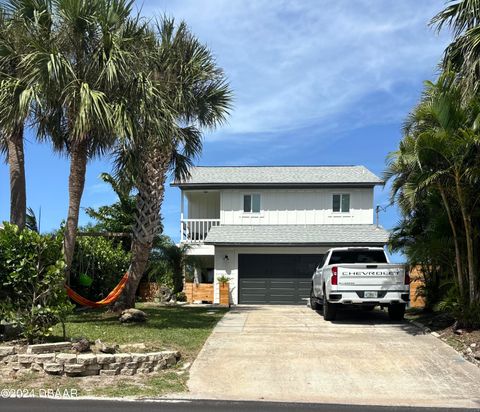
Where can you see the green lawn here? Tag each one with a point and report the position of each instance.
(180, 328)
(170, 327)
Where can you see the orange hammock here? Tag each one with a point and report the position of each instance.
(111, 297)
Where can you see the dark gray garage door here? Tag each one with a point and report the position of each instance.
(275, 279)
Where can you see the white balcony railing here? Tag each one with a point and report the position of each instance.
(195, 230)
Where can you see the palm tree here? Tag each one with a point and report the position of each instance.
(440, 153)
(20, 22)
(188, 93)
(166, 254)
(463, 54)
(81, 70)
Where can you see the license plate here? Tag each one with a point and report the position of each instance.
(371, 294)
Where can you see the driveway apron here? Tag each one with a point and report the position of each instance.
(289, 353)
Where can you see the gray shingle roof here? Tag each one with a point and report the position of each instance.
(297, 234)
(279, 175)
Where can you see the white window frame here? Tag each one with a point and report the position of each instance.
(341, 203)
(251, 203)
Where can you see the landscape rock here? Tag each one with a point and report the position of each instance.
(133, 315)
(123, 357)
(127, 372)
(49, 347)
(26, 358)
(45, 358)
(81, 345)
(86, 359)
(104, 348)
(139, 357)
(105, 358)
(108, 372)
(65, 358)
(74, 369)
(53, 368)
(7, 350)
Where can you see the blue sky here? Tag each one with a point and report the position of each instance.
(315, 82)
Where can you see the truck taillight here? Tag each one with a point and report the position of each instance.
(407, 278)
(334, 278)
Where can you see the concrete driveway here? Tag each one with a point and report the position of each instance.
(289, 353)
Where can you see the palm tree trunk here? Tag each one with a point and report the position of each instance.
(151, 189)
(467, 221)
(458, 255)
(76, 184)
(16, 162)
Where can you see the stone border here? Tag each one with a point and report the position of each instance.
(87, 364)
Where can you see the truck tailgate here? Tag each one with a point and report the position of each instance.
(381, 275)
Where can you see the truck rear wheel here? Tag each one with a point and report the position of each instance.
(313, 300)
(396, 311)
(329, 310)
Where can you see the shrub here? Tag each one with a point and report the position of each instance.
(98, 265)
(467, 314)
(32, 293)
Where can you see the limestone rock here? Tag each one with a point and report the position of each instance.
(26, 358)
(6, 350)
(104, 348)
(133, 315)
(81, 345)
(74, 369)
(64, 358)
(53, 368)
(49, 347)
(123, 357)
(108, 372)
(86, 359)
(105, 358)
(45, 358)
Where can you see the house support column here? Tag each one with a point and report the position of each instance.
(182, 207)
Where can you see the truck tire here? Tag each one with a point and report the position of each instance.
(313, 300)
(329, 310)
(396, 311)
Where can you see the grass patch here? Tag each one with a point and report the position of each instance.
(173, 327)
(168, 327)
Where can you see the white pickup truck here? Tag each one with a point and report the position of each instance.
(359, 276)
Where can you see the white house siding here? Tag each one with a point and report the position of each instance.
(296, 206)
(202, 205)
(230, 267)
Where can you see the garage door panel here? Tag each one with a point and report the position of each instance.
(275, 279)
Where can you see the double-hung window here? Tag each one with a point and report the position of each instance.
(341, 203)
(251, 203)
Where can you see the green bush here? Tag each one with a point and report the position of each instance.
(466, 314)
(98, 265)
(32, 293)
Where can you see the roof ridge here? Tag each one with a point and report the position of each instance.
(272, 166)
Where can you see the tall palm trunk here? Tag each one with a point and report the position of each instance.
(151, 189)
(467, 221)
(458, 255)
(76, 184)
(16, 162)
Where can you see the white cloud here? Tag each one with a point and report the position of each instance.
(298, 63)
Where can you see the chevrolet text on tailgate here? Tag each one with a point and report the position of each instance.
(359, 276)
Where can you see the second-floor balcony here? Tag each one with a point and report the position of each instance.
(196, 230)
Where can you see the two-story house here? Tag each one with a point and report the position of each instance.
(267, 228)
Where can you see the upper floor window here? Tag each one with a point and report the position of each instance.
(341, 203)
(251, 203)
